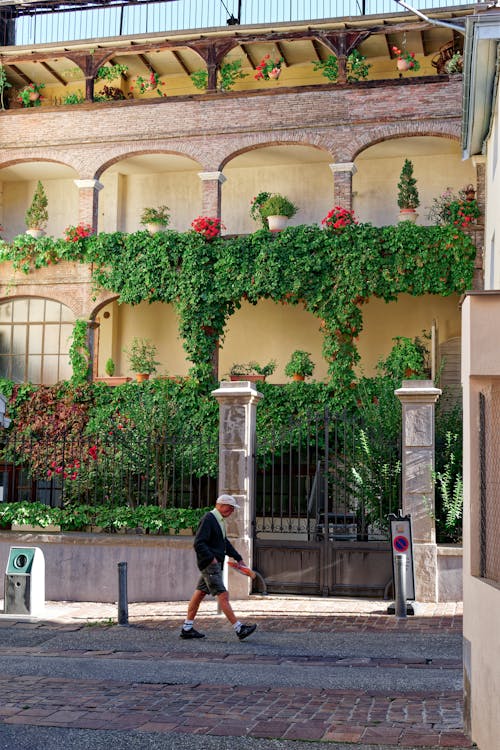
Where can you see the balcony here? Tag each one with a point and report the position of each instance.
(39, 22)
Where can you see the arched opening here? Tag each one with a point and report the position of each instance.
(18, 183)
(272, 331)
(35, 340)
(149, 180)
(300, 172)
(437, 164)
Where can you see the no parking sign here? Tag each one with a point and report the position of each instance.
(401, 544)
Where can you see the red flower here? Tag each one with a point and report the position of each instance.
(208, 226)
(339, 218)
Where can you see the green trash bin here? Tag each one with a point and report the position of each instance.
(24, 590)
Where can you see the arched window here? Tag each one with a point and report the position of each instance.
(34, 340)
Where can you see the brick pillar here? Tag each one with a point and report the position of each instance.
(88, 201)
(211, 193)
(418, 398)
(342, 184)
(237, 414)
(480, 282)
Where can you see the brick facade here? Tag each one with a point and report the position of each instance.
(213, 129)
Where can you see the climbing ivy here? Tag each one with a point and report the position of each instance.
(332, 273)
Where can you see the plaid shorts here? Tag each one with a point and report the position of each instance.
(210, 581)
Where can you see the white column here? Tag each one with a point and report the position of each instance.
(237, 416)
(418, 398)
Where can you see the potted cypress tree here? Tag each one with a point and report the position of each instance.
(37, 216)
(408, 199)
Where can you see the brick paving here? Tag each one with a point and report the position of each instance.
(420, 719)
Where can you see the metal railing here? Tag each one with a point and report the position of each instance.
(41, 23)
(115, 468)
(326, 478)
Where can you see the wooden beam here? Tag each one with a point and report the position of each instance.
(279, 47)
(149, 65)
(181, 62)
(248, 56)
(53, 73)
(317, 49)
(20, 73)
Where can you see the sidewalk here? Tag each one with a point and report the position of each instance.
(329, 670)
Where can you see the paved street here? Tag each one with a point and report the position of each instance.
(317, 672)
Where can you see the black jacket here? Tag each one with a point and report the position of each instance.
(209, 543)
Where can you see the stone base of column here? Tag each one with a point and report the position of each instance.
(426, 571)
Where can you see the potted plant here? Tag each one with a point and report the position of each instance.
(408, 199)
(357, 68)
(109, 367)
(458, 209)
(406, 60)
(37, 216)
(277, 209)
(268, 69)
(142, 358)
(300, 365)
(454, 65)
(252, 371)
(155, 219)
(30, 95)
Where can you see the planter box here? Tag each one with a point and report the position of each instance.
(115, 380)
(39, 529)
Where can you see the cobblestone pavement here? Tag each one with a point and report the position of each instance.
(77, 669)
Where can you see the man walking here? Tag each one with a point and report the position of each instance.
(212, 545)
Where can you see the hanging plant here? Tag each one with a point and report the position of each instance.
(30, 96)
(150, 83)
(111, 72)
(268, 69)
(4, 84)
(356, 69)
(406, 60)
(227, 76)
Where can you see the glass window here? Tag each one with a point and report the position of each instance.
(34, 342)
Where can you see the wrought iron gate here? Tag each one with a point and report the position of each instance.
(324, 489)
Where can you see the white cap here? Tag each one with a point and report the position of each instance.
(227, 500)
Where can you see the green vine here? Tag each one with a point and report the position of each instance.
(79, 354)
(331, 273)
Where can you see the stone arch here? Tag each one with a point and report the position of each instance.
(135, 178)
(19, 177)
(437, 165)
(296, 168)
(256, 141)
(128, 151)
(390, 131)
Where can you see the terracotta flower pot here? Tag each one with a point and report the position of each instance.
(407, 214)
(275, 73)
(141, 376)
(298, 377)
(403, 65)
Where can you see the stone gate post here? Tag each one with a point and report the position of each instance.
(237, 414)
(418, 398)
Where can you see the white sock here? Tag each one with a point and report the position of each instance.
(237, 626)
(188, 624)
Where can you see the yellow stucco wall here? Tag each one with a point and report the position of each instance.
(436, 165)
(271, 330)
(62, 205)
(157, 322)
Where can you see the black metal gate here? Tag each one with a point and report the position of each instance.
(324, 488)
